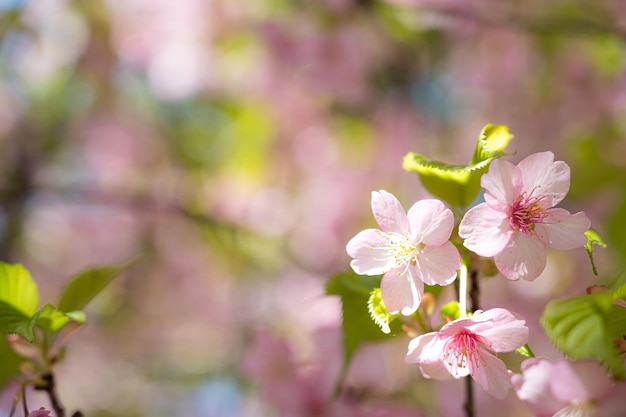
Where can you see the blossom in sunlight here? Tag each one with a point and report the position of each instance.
(42, 412)
(568, 389)
(410, 249)
(466, 346)
(517, 224)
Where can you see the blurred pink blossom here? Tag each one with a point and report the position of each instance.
(463, 347)
(411, 249)
(42, 412)
(567, 388)
(517, 224)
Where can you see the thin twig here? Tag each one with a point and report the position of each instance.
(469, 397)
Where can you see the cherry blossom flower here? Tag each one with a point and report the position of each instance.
(567, 389)
(464, 347)
(517, 224)
(410, 249)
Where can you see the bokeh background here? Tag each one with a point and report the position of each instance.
(234, 146)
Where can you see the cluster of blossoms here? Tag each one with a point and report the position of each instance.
(516, 225)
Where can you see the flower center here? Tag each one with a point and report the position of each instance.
(463, 350)
(525, 213)
(399, 249)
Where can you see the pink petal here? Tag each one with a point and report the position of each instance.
(438, 264)
(562, 230)
(486, 231)
(388, 212)
(533, 386)
(545, 178)
(524, 257)
(401, 291)
(506, 333)
(493, 376)
(367, 253)
(439, 370)
(427, 350)
(502, 184)
(431, 222)
(580, 381)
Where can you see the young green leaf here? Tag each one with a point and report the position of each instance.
(593, 238)
(84, 286)
(378, 311)
(51, 319)
(18, 289)
(459, 185)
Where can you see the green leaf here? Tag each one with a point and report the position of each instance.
(581, 328)
(459, 185)
(358, 327)
(51, 319)
(14, 321)
(10, 362)
(18, 289)
(84, 286)
(593, 238)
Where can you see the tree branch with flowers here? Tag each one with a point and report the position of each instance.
(460, 237)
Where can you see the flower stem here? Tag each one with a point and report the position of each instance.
(469, 395)
(463, 284)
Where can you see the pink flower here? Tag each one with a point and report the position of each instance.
(42, 412)
(568, 388)
(517, 224)
(464, 347)
(410, 249)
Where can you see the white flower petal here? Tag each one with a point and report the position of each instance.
(369, 257)
(401, 291)
(431, 222)
(427, 350)
(524, 257)
(502, 184)
(493, 376)
(388, 212)
(486, 231)
(545, 178)
(505, 333)
(438, 265)
(562, 230)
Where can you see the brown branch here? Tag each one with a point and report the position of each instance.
(48, 385)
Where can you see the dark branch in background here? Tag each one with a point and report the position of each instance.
(474, 290)
(48, 385)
